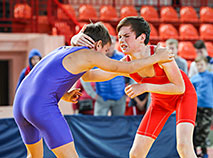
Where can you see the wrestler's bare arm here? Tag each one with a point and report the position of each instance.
(86, 59)
(98, 75)
(176, 85)
(101, 61)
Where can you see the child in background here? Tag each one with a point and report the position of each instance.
(203, 83)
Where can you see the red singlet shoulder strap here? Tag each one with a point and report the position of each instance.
(152, 49)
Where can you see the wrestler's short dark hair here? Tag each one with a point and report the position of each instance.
(138, 25)
(97, 31)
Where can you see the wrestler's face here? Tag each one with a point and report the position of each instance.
(128, 41)
(201, 66)
(103, 49)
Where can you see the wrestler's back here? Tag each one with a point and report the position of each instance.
(48, 80)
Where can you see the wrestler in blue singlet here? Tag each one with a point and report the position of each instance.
(36, 101)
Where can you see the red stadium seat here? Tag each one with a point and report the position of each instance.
(149, 13)
(167, 31)
(43, 24)
(153, 33)
(87, 12)
(108, 13)
(110, 29)
(186, 50)
(22, 11)
(62, 15)
(209, 47)
(188, 14)
(168, 14)
(206, 14)
(64, 29)
(128, 11)
(206, 31)
(188, 32)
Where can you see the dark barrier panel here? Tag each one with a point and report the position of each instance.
(95, 137)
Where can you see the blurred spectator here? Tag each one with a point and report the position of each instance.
(172, 44)
(34, 58)
(203, 83)
(86, 102)
(201, 51)
(111, 95)
(137, 105)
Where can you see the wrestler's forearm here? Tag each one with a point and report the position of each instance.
(138, 65)
(98, 76)
(170, 88)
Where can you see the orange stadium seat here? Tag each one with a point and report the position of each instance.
(87, 12)
(149, 13)
(168, 14)
(64, 29)
(209, 47)
(188, 32)
(128, 11)
(206, 14)
(62, 15)
(186, 50)
(206, 31)
(188, 14)
(22, 11)
(167, 31)
(153, 33)
(108, 13)
(110, 29)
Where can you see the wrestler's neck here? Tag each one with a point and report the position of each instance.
(142, 52)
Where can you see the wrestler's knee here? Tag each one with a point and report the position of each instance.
(183, 147)
(133, 153)
(136, 153)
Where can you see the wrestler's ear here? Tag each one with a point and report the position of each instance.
(99, 44)
(142, 37)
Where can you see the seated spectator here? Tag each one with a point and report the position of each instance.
(172, 44)
(34, 58)
(111, 95)
(203, 83)
(86, 102)
(201, 51)
(137, 105)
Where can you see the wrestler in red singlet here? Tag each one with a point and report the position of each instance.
(162, 106)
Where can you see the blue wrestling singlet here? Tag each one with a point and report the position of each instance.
(35, 105)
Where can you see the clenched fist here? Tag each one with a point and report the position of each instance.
(135, 90)
(72, 96)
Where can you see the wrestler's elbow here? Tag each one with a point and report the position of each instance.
(181, 89)
(85, 78)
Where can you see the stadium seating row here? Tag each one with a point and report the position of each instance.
(186, 32)
(108, 13)
(167, 13)
(187, 50)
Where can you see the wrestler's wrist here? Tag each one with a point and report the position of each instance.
(145, 88)
(155, 58)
